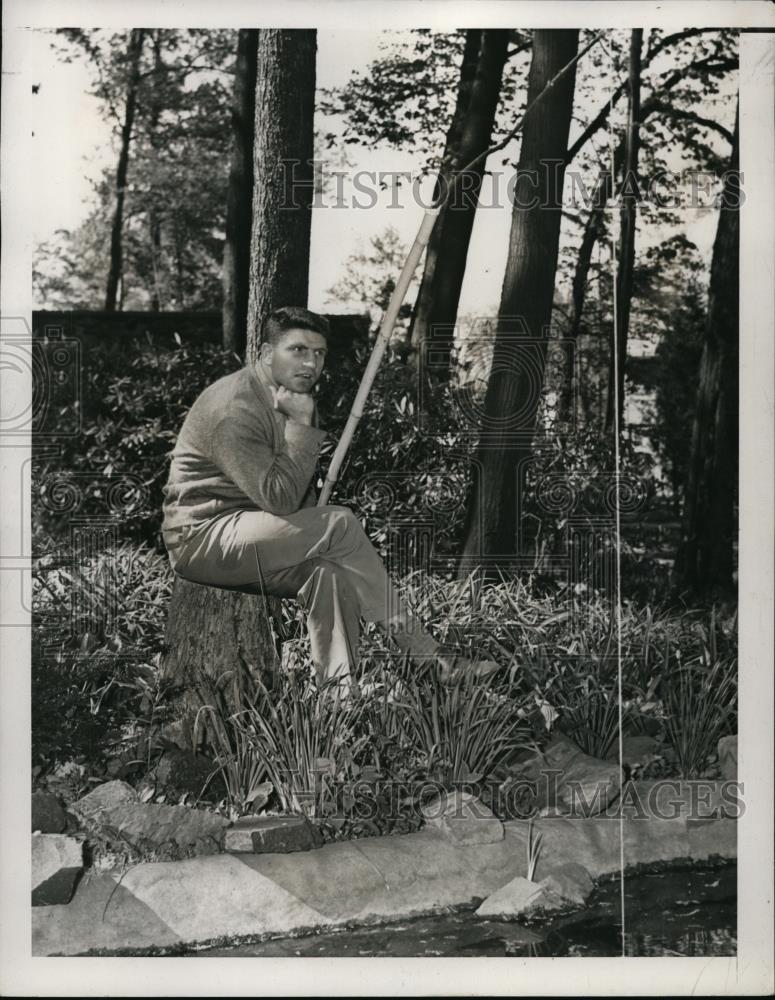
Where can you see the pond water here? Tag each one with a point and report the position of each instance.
(686, 912)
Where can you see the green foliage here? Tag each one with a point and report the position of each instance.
(174, 212)
(302, 738)
(96, 691)
(408, 463)
(134, 400)
(462, 732)
(97, 628)
(406, 98)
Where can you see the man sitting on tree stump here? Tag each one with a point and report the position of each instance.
(239, 507)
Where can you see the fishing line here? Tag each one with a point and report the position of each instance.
(617, 476)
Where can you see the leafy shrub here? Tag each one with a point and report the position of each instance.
(97, 628)
(133, 401)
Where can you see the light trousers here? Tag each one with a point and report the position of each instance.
(321, 556)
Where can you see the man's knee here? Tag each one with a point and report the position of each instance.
(327, 578)
(343, 523)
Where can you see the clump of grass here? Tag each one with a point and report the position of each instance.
(301, 738)
(533, 850)
(700, 701)
(461, 732)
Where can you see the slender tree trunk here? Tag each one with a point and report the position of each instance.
(220, 642)
(134, 53)
(592, 232)
(516, 380)
(481, 72)
(239, 198)
(282, 175)
(627, 236)
(154, 221)
(705, 559)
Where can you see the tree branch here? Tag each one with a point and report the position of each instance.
(673, 112)
(711, 64)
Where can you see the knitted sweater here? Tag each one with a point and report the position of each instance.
(236, 452)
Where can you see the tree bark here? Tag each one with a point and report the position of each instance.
(705, 559)
(615, 397)
(516, 380)
(239, 198)
(592, 231)
(154, 220)
(282, 175)
(435, 311)
(134, 53)
(218, 644)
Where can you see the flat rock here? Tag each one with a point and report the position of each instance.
(166, 832)
(272, 835)
(57, 863)
(463, 818)
(570, 882)
(716, 838)
(727, 757)
(568, 779)
(112, 793)
(48, 816)
(669, 798)
(511, 900)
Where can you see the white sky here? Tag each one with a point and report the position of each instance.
(73, 145)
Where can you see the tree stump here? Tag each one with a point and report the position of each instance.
(218, 644)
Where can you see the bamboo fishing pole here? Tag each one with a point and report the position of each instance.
(407, 272)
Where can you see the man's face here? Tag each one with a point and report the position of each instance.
(296, 360)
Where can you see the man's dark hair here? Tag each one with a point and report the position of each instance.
(292, 318)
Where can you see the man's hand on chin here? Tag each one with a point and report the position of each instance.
(297, 406)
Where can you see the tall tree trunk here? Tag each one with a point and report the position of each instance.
(239, 197)
(627, 237)
(516, 380)
(220, 642)
(469, 135)
(705, 559)
(134, 54)
(592, 232)
(154, 220)
(282, 175)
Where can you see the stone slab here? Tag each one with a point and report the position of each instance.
(157, 828)
(102, 916)
(463, 818)
(563, 775)
(595, 842)
(206, 898)
(670, 798)
(112, 793)
(337, 880)
(570, 882)
(272, 835)
(715, 838)
(57, 863)
(512, 899)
